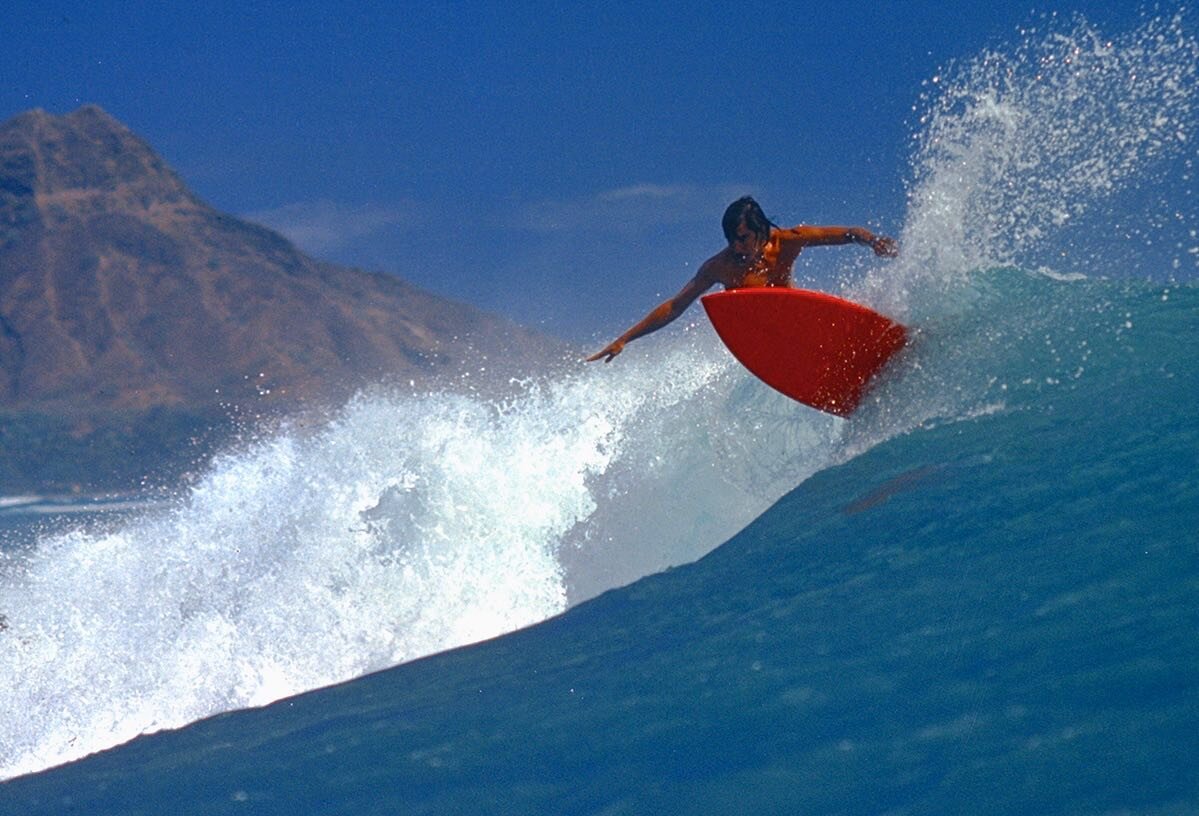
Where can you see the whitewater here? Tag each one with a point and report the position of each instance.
(409, 523)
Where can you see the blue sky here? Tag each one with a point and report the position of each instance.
(563, 164)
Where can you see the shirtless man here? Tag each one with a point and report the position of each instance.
(759, 254)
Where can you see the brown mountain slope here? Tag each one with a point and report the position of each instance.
(120, 289)
(133, 316)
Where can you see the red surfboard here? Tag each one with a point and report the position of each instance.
(815, 348)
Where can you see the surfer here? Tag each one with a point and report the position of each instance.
(760, 253)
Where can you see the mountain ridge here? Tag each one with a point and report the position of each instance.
(122, 291)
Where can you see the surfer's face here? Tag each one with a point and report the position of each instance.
(746, 243)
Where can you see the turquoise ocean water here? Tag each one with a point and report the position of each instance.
(978, 595)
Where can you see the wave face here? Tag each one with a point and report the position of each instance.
(405, 525)
(412, 523)
(991, 614)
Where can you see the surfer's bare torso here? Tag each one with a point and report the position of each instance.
(771, 266)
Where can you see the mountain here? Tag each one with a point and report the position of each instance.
(121, 291)
(120, 288)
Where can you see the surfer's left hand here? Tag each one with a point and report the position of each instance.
(884, 247)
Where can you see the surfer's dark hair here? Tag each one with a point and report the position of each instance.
(747, 210)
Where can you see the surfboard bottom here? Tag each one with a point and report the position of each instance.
(815, 348)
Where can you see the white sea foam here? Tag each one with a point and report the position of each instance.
(405, 525)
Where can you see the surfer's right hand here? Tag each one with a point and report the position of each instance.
(610, 351)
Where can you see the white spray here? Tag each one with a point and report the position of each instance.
(1030, 159)
(407, 525)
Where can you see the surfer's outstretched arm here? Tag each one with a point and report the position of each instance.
(831, 236)
(663, 314)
